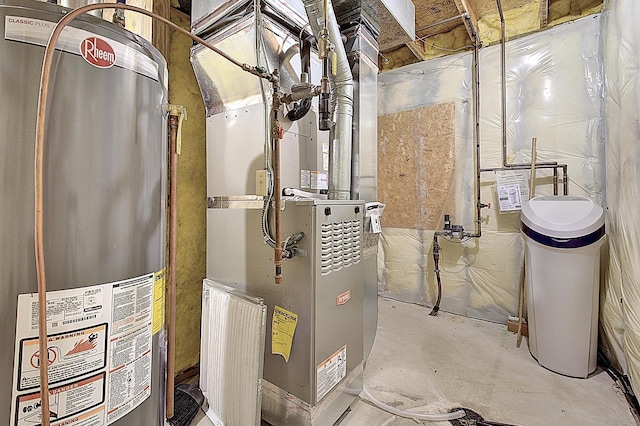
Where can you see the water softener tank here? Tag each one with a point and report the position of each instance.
(104, 221)
(562, 239)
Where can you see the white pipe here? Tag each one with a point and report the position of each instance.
(434, 417)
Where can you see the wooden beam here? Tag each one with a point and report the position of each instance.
(417, 48)
(544, 13)
(469, 6)
(161, 33)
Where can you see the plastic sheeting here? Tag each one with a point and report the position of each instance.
(620, 297)
(554, 93)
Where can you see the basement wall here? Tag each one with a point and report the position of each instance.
(620, 296)
(554, 93)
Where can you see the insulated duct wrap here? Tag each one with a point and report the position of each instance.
(620, 297)
(554, 86)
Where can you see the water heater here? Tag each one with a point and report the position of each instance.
(104, 221)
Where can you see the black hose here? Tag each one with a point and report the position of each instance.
(623, 383)
(436, 259)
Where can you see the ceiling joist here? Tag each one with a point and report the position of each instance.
(469, 7)
(544, 13)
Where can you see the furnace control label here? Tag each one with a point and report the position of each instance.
(99, 353)
(330, 372)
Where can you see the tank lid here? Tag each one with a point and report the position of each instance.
(562, 216)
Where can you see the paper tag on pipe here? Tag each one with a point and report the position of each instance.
(181, 112)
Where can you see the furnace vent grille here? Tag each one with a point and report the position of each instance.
(340, 245)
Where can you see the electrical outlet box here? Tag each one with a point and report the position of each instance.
(262, 182)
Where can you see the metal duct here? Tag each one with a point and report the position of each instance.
(342, 81)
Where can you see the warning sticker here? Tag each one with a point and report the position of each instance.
(99, 348)
(330, 372)
(70, 355)
(65, 402)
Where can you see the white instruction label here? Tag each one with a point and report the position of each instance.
(512, 187)
(509, 197)
(330, 372)
(99, 353)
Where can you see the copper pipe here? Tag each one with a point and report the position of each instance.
(38, 167)
(173, 243)
(475, 87)
(503, 83)
(277, 250)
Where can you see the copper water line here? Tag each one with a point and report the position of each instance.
(173, 243)
(38, 175)
(276, 135)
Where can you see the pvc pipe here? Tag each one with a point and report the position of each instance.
(433, 417)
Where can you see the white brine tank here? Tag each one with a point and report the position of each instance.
(105, 161)
(563, 236)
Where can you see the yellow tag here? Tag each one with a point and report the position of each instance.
(158, 300)
(283, 328)
(181, 112)
(334, 63)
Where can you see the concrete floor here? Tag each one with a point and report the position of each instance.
(432, 364)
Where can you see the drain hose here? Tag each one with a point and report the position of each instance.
(411, 415)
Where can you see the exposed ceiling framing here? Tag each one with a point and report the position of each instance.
(446, 26)
(439, 24)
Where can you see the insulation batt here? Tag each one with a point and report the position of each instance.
(554, 93)
(620, 297)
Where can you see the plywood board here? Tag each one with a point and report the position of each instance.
(416, 159)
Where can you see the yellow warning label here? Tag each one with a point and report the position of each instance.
(158, 300)
(283, 328)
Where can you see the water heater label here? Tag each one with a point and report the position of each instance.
(97, 50)
(99, 353)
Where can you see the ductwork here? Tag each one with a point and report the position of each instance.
(342, 101)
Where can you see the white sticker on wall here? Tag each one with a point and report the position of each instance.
(512, 187)
(509, 197)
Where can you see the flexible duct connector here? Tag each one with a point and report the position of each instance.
(342, 82)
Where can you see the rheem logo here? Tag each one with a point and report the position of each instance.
(97, 52)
